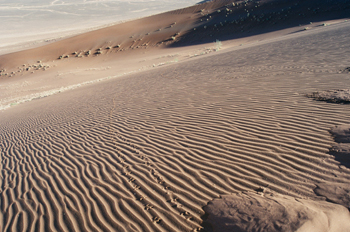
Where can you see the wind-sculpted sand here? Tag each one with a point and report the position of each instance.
(146, 152)
(44, 21)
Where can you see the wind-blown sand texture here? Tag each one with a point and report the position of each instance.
(143, 44)
(147, 151)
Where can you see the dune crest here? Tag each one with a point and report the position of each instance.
(202, 23)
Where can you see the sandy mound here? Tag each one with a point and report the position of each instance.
(273, 212)
(341, 133)
(332, 96)
(335, 192)
(338, 192)
(341, 151)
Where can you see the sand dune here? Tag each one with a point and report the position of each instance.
(148, 43)
(31, 22)
(147, 151)
(196, 24)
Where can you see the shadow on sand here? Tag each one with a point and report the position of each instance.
(341, 151)
(251, 18)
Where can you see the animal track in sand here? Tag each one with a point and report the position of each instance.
(156, 220)
(148, 207)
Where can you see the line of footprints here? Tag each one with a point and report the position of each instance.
(156, 176)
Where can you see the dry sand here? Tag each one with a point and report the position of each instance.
(30, 23)
(273, 212)
(147, 151)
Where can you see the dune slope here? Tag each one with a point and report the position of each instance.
(221, 19)
(147, 151)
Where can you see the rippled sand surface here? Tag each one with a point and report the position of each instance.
(148, 151)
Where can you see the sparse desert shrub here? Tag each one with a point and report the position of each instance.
(108, 48)
(218, 45)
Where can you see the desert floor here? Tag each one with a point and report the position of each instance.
(147, 151)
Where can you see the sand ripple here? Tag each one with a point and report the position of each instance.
(147, 152)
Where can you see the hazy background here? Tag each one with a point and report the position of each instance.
(33, 20)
